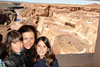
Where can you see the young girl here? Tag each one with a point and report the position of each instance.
(29, 35)
(45, 56)
(12, 54)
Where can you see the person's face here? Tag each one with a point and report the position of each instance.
(41, 49)
(16, 46)
(28, 39)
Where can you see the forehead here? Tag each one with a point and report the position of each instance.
(30, 32)
(41, 43)
(27, 34)
(16, 40)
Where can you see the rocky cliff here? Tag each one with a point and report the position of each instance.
(70, 28)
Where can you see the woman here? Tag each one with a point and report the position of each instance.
(12, 54)
(29, 37)
(45, 56)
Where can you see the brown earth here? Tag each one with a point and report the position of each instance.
(70, 28)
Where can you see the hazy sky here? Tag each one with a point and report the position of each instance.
(58, 1)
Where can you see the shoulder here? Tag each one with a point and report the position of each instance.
(40, 63)
(9, 62)
(14, 61)
(55, 64)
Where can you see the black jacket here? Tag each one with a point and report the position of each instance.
(42, 63)
(29, 57)
(1, 48)
(15, 60)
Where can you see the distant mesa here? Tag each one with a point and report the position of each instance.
(93, 5)
(16, 3)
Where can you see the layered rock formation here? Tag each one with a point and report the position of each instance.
(8, 16)
(70, 28)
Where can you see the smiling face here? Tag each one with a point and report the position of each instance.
(16, 46)
(41, 49)
(28, 39)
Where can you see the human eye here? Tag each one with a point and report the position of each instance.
(39, 45)
(19, 41)
(25, 38)
(14, 42)
(45, 46)
(31, 38)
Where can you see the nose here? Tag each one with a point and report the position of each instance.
(41, 48)
(29, 42)
(18, 44)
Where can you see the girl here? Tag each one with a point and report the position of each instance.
(12, 54)
(29, 37)
(45, 56)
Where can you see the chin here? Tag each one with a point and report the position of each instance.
(28, 48)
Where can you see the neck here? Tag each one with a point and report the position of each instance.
(41, 57)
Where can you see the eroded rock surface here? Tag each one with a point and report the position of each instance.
(70, 28)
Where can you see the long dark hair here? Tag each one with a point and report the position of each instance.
(12, 36)
(28, 28)
(50, 56)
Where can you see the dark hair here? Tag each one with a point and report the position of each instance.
(0, 38)
(28, 28)
(12, 36)
(50, 56)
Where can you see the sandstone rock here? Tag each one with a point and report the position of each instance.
(3, 31)
(7, 16)
(70, 28)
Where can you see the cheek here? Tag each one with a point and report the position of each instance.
(32, 40)
(12, 46)
(37, 49)
(21, 45)
(45, 50)
(24, 41)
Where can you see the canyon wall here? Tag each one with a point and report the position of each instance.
(70, 28)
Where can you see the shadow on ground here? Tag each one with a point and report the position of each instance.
(75, 60)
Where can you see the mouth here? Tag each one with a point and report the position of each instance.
(41, 52)
(27, 46)
(19, 49)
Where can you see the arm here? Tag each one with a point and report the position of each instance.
(10, 63)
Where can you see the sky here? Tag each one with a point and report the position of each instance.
(82, 2)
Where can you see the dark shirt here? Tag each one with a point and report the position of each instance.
(15, 60)
(29, 58)
(42, 63)
(1, 48)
